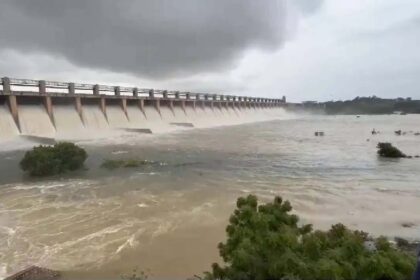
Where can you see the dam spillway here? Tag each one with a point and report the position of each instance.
(69, 110)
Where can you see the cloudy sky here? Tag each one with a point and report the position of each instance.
(304, 49)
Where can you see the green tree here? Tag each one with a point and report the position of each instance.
(266, 242)
(51, 160)
(388, 150)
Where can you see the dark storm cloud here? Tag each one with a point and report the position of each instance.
(149, 38)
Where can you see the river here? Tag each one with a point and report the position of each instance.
(168, 217)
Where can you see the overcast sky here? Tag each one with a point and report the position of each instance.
(304, 49)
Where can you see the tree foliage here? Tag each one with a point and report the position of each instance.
(266, 242)
(388, 150)
(372, 105)
(51, 160)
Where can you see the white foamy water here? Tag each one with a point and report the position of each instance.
(181, 116)
(167, 114)
(94, 118)
(155, 121)
(136, 116)
(8, 127)
(202, 117)
(117, 117)
(68, 122)
(34, 121)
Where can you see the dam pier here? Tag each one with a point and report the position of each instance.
(97, 106)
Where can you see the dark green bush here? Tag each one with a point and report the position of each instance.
(387, 150)
(265, 242)
(51, 160)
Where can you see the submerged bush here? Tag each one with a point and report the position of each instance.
(134, 163)
(127, 163)
(265, 242)
(112, 163)
(387, 150)
(51, 160)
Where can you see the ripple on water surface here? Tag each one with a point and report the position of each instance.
(171, 216)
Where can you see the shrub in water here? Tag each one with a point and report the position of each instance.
(127, 163)
(265, 242)
(51, 160)
(112, 164)
(133, 163)
(387, 150)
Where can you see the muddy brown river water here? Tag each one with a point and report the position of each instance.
(167, 218)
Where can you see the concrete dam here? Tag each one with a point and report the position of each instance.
(65, 111)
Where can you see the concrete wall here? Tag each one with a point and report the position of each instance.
(109, 99)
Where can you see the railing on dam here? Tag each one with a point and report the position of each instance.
(22, 92)
(12, 86)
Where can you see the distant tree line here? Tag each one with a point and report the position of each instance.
(368, 105)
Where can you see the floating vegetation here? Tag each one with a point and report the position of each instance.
(126, 163)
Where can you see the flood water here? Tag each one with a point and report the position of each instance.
(168, 217)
